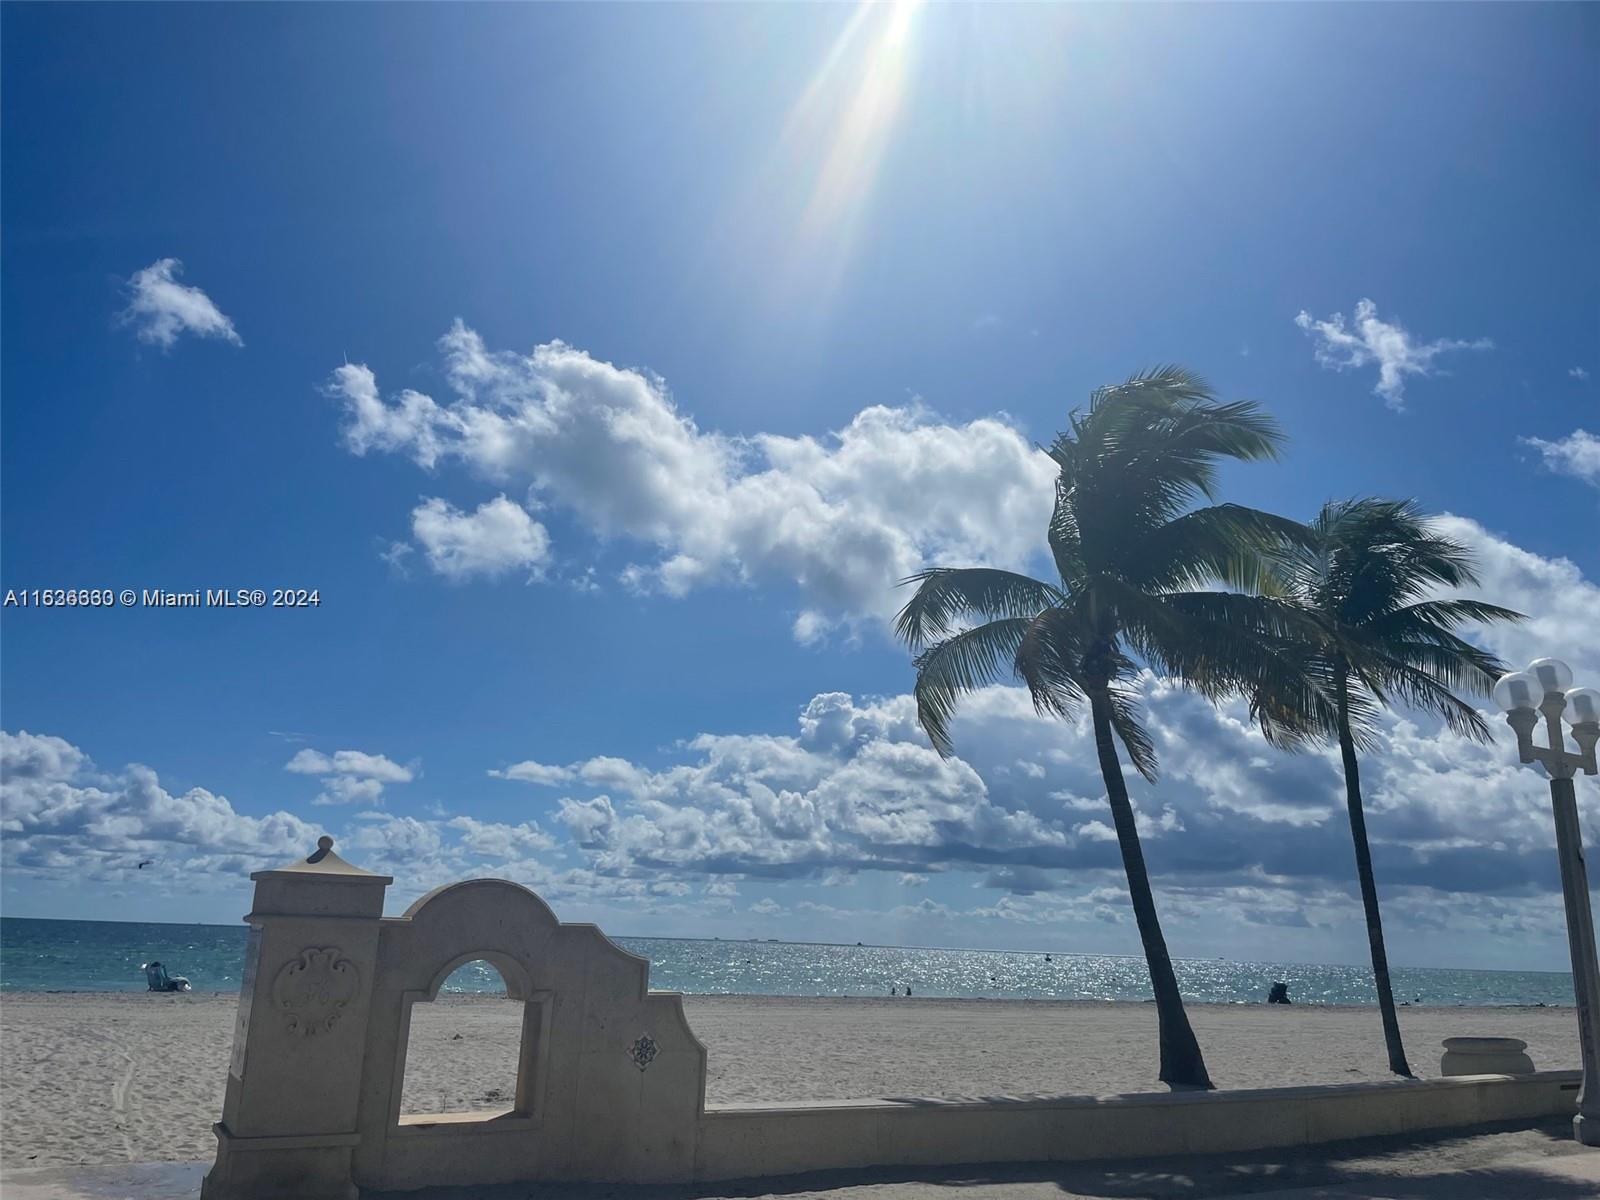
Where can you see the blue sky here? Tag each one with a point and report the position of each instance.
(725, 318)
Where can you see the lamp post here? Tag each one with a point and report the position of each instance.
(1524, 696)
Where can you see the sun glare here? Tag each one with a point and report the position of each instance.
(854, 139)
(827, 160)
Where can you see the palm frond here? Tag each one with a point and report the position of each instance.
(1442, 614)
(1170, 382)
(1459, 665)
(1131, 732)
(1066, 542)
(948, 598)
(1049, 660)
(1420, 690)
(971, 659)
(1226, 543)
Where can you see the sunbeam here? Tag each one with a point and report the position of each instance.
(816, 186)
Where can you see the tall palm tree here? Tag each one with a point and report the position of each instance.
(1130, 552)
(1370, 635)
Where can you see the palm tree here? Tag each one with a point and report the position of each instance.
(1130, 553)
(1370, 636)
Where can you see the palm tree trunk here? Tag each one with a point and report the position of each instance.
(1181, 1062)
(1369, 889)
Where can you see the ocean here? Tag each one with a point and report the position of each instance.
(108, 956)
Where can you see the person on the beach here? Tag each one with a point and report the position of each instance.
(158, 980)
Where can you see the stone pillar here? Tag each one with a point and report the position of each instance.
(288, 1127)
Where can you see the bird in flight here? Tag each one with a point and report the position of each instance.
(147, 862)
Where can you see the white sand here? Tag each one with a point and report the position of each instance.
(88, 1078)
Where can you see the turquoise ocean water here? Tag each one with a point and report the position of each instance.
(106, 956)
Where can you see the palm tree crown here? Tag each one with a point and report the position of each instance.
(1373, 630)
(1130, 553)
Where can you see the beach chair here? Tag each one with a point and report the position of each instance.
(155, 975)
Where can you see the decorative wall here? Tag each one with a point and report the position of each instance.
(611, 1082)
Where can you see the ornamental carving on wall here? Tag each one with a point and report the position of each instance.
(312, 990)
(643, 1052)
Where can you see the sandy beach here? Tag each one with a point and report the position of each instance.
(139, 1077)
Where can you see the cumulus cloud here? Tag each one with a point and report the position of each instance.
(65, 819)
(535, 772)
(1559, 600)
(856, 787)
(62, 816)
(350, 776)
(160, 309)
(841, 518)
(1234, 831)
(1369, 340)
(498, 537)
(1577, 455)
(1578, 373)
(501, 842)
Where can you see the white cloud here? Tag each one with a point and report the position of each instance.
(535, 772)
(1560, 601)
(857, 787)
(64, 820)
(346, 789)
(1577, 455)
(396, 554)
(1373, 340)
(350, 776)
(1578, 373)
(1234, 831)
(492, 840)
(349, 762)
(811, 627)
(842, 518)
(161, 309)
(61, 816)
(497, 538)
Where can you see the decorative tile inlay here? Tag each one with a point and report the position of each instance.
(643, 1052)
(312, 990)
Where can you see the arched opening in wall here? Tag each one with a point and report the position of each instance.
(471, 1052)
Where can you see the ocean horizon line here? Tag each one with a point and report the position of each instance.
(760, 941)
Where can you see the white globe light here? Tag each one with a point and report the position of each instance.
(1517, 690)
(1553, 674)
(1583, 705)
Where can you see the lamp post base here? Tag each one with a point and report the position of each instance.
(1586, 1129)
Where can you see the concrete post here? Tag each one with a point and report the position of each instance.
(1580, 937)
(288, 1125)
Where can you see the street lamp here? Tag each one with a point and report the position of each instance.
(1523, 696)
